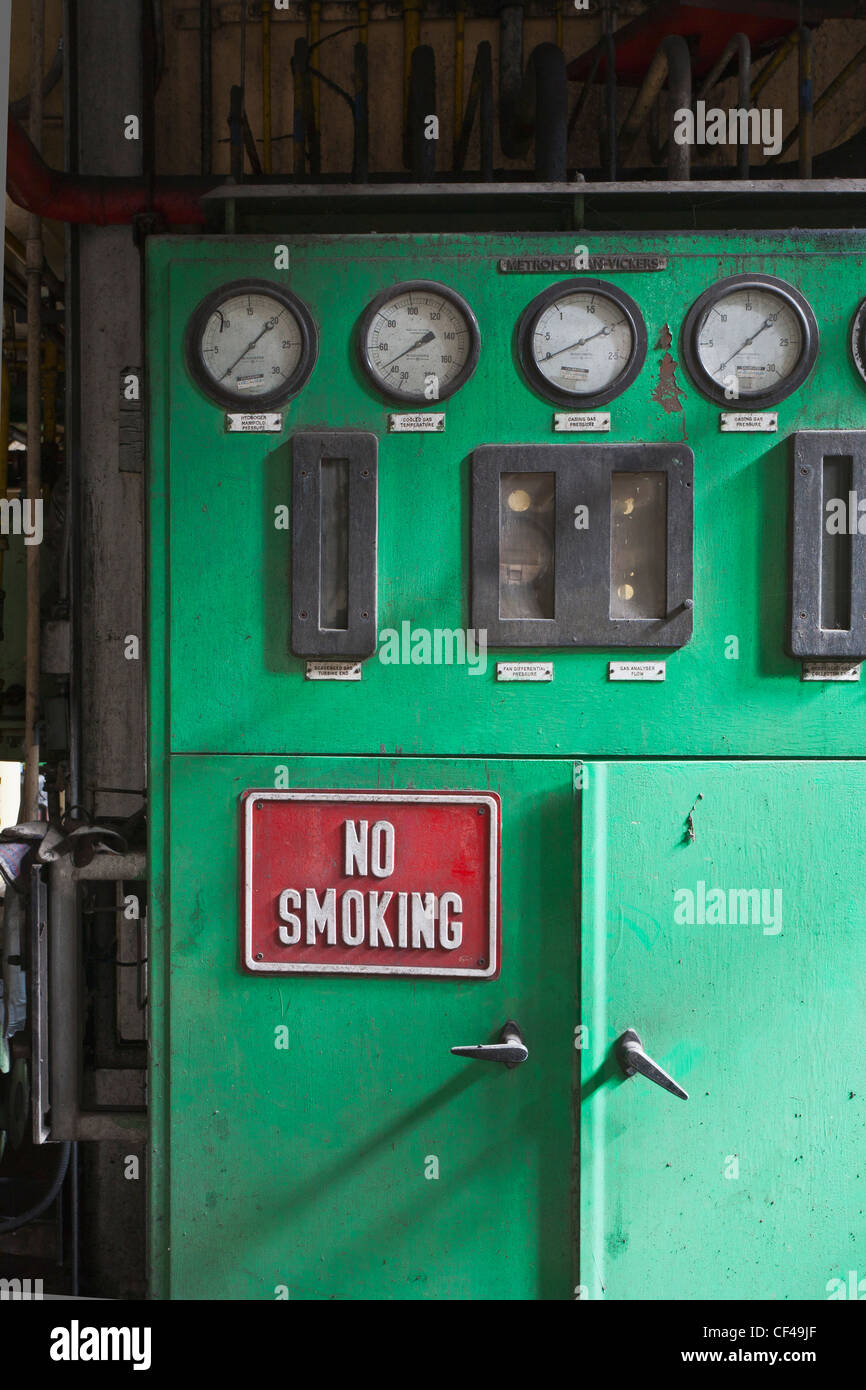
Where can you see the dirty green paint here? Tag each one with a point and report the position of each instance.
(758, 1020)
(305, 1166)
(234, 684)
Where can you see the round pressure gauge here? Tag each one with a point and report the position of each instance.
(751, 338)
(858, 340)
(251, 345)
(582, 342)
(419, 342)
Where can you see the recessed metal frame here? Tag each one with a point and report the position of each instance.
(235, 399)
(757, 400)
(394, 292)
(359, 637)
(536, 378)
(583, 474)
(807, 638)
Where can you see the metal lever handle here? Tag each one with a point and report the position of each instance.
(511, 1050)
(632, 1058)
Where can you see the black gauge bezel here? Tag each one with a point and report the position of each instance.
(858, 340)
(536, 378)
(234, 400)
(393, 292)
(752, 400)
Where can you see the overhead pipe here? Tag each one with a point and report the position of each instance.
(205, 61)
(459, 50)
(785, 47)
(33, 491)
(738, 46)
(532, 103)
(807, 114)
(315, 90)
(99, 200)
(672, 62)
(610, 96)
(422, 103)
(361, 107)
(4, 472)
(21, 107)
(510, 78)
(236, 133)
(360, 115)
(839, 81)
(480, 95)
(266, 86)
(411, 40)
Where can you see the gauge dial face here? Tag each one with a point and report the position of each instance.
(582, 342)
(419, 342)
(858, 340)
(751, 338)
(252, 344)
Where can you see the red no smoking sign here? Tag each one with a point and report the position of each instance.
(375, 883)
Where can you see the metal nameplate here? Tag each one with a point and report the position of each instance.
(831, 671)
(568, 265)
(749, 422)
(416, 424)
(269, 423)
(589, 422)
(371, 882)
(524, 670)
(636, 671)
(333, 671)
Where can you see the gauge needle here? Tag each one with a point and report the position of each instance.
(427, 338)
(765, 324)
(268, 326)
(581, 342)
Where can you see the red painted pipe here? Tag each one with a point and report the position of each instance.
(96, 199)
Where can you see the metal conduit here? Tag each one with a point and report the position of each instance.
(672, 62)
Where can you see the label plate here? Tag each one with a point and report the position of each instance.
(586, 422)
(371, 883)
(569, 265)
(749, 422)
(524, 670)
(421, 423)
(270, 423)
(333, 671)
(636, 671)
(831, 671)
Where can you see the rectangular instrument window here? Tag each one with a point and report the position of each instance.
(582, 545)
(334, 543)
(828, 561)
(836, 544)
(527, 517)
(638, 552)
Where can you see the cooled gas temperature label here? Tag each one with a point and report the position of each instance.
(371, 883)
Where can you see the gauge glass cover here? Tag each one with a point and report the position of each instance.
(750, 338)
(582, 342)
(419, 342)
(251, 343)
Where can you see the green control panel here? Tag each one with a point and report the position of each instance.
(506, 617)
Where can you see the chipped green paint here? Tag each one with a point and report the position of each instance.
(753, 1188)
(303, 1170)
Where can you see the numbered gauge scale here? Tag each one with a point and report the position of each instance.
(418, 342)
(582, 342)
(251, 345)
(752, 338)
